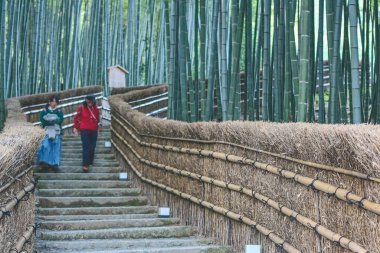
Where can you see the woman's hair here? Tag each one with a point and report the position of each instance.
(51, 99)
(89, 98)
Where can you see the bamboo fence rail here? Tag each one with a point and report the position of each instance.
(18, 246)
(305, 221)
(17, 198)
(313, 183)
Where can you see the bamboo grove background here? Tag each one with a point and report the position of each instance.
(253, 60)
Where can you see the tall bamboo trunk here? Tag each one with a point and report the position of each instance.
(304, 60)
(356, 98)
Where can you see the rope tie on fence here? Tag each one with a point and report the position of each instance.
(349, 201)
(270, 232)
(338, 243)
(361, 201)
(311, 185)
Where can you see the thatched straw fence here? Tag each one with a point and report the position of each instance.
(289, 187)
(18, 144)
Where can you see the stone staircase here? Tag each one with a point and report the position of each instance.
(96, 212)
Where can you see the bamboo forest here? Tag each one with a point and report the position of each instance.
(269, 60)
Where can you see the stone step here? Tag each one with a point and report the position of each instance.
(97, 163)
(118, 210)
(118, 233)
(91, 201)
(103, 224)
(78, 149)
(188, 249)
(79, 169)
(70, 184)
(108, 158)
(75, 156)
(98, 217)
(75, 143)
(59, 246)
(103, 136)
(89, 192)
(77, 176)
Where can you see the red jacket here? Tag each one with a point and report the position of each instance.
(87, 118)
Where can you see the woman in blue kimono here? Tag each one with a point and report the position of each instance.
(51, 119)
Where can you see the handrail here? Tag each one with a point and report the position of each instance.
(60, 106)
(149, 103)
(148, 98)
(165, 109)
(64, 99)
(305, 221)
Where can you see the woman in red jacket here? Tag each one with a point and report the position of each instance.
(86, 122)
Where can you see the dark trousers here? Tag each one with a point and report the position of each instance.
(89, 138)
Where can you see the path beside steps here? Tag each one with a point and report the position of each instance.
(96, 212)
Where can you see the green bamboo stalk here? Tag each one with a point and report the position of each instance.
(321, 100)
(288, 74)
(266, 61)
(334, 116)
(182, 60)
(304, 60)
(276, 101)
(248, 62)
(312, 73)
(235, 77)
(173, 61)
(196, 60)
(2, 63)
(223, 61)
(212, 68)
(356, 98)
(202, 53)
(294, 60)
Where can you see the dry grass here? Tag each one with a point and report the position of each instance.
(19, 141)
(354, 148)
